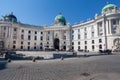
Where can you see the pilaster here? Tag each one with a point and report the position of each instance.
(110, 26)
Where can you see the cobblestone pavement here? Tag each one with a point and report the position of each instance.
(91, 68)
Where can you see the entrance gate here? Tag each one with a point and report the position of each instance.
(56, 43)
(116, 45)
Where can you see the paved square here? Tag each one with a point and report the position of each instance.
(90, 68)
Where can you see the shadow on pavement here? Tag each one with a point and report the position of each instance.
(2, 64)
(91, 55)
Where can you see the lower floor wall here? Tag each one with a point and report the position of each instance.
(92, 45)
(35, 46)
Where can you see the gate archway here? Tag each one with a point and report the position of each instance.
(56, 43)
(116, 44)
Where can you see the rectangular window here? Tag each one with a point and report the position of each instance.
(92, 34)
(78, 47)
(41, 38)
(35, 32)
(21, 47)
(41, 32)
(15, 29)
(14, 47)
(28, 47)
(93, 42)
(72, 43)
(34, 47)
(48, 32)
(114, 22)
(64, 32)
(4, 28)
(29, 37)
(85, 42)
(93, 47)
(1, 44)
(48, 38)
(85, 29)
(28, 43)
(115, 26)
(41, 47)
(22, 31)
(85, 47)
(29, 31)
(72, 47)
(100, 28)
(85, 35)
(72, 37)
(78, 36)
(35, 38)
(4, 35)
(100, 24)
(34, 43)
(48, 43)
(100, 40)
(100, 46)
(41, 44)
(64, 37)
(21, 42)
(79, 43)
(22, 36)
(14, 36)
(92, 27)
(14, 42)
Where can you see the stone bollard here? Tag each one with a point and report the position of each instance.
(8, 60)
(62, 58)
(33, 59)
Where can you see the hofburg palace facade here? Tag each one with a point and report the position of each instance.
(100, 33)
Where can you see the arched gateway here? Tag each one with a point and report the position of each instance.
(116, 44)
(56, 43)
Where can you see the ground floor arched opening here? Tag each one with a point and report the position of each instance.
(64, 47)
(116, 46)
(56, 43)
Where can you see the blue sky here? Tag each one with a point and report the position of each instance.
(43, 12)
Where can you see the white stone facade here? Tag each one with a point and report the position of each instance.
(100, 33)
(26, 37)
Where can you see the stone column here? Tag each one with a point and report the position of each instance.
(110, 27)
(60, 38)
(68, 39)
(97, 29)
(52, 39)
(119, 25)
(119, 22)
(44, 40)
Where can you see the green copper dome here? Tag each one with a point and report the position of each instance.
(59, 16)
(60, 19)
(10, 18)
(109, 6)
